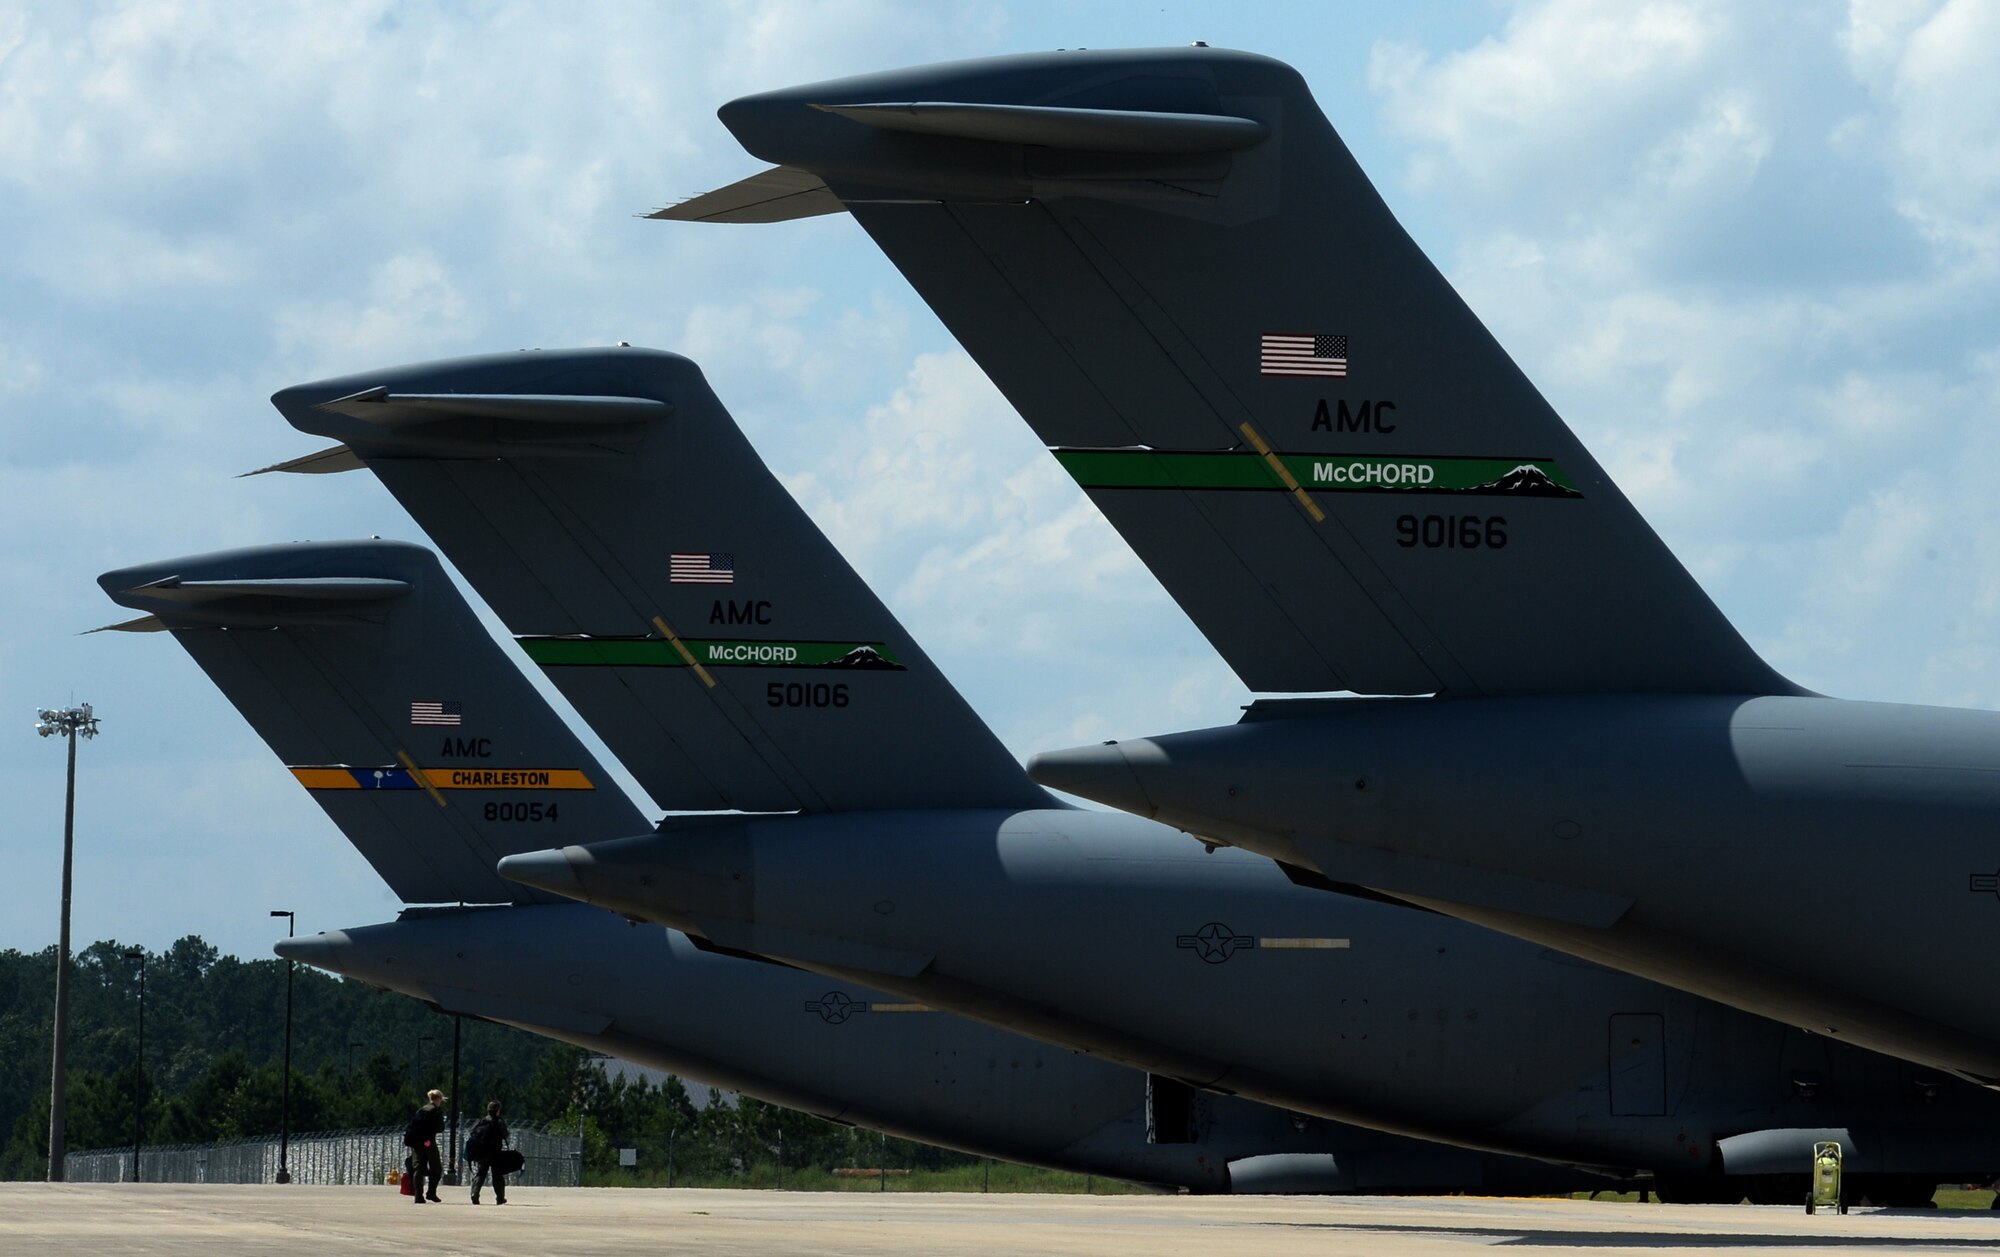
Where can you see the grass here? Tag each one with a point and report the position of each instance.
(1947, 1198)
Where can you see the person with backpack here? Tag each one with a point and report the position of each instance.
(485, 1148)
(421, 1138)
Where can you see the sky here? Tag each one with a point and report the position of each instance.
(1749, 252)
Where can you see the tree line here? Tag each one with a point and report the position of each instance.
(214, 1041)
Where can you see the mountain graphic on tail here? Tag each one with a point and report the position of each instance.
(1526, 481)
(864, 657)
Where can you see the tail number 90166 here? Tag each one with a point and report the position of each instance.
(1452, 532)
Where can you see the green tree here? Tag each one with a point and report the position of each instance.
(214, 1037)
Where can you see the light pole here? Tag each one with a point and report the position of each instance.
(451, 1174)
(139, 1083)
(285, 1104)
(71, 723)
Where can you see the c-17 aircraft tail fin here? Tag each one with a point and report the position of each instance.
(1173, 268)
(608, 508)
(369, 675)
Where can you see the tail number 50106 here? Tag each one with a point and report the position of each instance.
(805, 694)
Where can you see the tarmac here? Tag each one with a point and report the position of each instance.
(169, 1220)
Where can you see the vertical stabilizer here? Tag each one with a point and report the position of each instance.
(608, 508)
(1171, 265)
(365, 670)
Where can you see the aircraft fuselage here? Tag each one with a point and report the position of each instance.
(1808, 858)
(1117, 937)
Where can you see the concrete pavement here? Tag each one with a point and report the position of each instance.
(163, 1220)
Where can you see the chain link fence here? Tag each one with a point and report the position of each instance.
(319, 1158)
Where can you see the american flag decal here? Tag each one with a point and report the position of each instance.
(1302, 353)
(718, 568)
(445, 714)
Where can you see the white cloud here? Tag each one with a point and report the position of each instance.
(998, 564)
(1748, 253)
(1562, 81)
(410, 308)
(201, 208)
(1743, 249)
(1878, 30)
(1931, 70)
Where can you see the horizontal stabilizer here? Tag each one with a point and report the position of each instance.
(1083, 130)
(417, 735)
(379, 405)
(144, 624)
(262, 603)
(325, 462)
(777, 195)
(550, 404)
(316, 589)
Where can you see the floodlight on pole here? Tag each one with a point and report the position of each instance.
(70, 723)
(285, 1105)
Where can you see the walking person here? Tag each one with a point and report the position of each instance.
(421, 1138)
(483, 1147)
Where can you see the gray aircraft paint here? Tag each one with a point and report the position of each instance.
(1340, 476)
(1817, 859)
(624, 592)
(327, 647)
(1067, 925)
(856, 1055)
(1085, 928)
(1118, 297)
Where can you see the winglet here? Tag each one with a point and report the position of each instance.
(324, 462)
(144, 624)
(555, 403)
(777, 195)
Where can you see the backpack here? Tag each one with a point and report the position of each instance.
(479, 1141)
(413, 1134)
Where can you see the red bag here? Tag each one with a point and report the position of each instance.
(408, 1187)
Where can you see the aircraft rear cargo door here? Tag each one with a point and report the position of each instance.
(1638, 1064)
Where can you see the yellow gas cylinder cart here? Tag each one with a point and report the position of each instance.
(1825, 1183)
